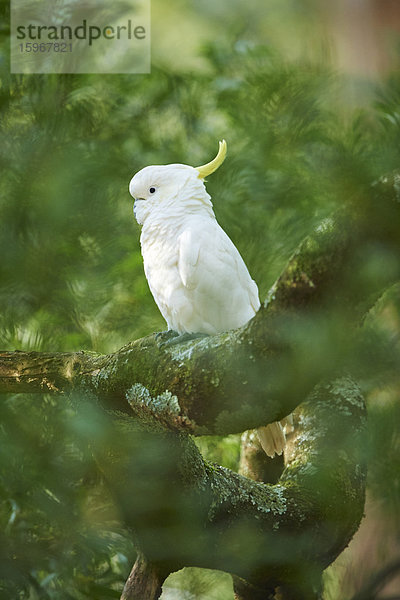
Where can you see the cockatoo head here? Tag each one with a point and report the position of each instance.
(169, 190)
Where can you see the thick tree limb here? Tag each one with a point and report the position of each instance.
(269, 535)
(46, 372)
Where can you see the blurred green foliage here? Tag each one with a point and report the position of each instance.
(71, 273)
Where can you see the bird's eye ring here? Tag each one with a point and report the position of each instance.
(152, 190)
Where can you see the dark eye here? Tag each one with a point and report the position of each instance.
(152, 190)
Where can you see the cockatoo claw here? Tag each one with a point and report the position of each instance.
(162, 337)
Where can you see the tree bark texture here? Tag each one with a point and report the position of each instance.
(143, 582)
(267, 534)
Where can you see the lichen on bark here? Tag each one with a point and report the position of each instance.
(267, 534)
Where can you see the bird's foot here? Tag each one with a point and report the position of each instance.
(179, 338)
(162, 337)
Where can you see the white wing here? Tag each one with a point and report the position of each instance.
(218, 292)
(189, 253)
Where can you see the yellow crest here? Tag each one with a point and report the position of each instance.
(212, 166)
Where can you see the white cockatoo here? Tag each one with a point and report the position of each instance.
(197, 277)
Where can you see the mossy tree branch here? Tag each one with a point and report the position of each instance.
(267, 534)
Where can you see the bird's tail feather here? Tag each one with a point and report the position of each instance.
(272, 437)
